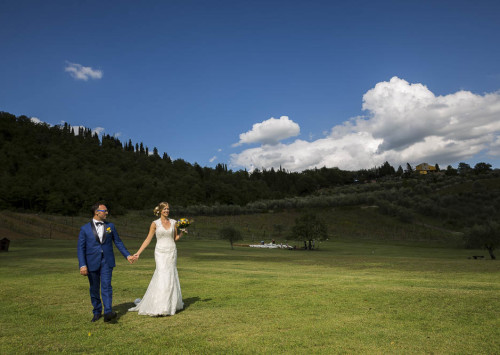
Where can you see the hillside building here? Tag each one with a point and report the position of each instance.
(425, 168)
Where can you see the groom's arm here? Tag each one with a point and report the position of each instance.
(81, 249)
(121, 247)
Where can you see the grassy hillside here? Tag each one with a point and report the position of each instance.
(426, 209)
(344, 223)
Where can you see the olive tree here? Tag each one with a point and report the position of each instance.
(230, 233)
(308, 228)
(484, 236)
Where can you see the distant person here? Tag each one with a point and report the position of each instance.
(163, 296)
(97, 260)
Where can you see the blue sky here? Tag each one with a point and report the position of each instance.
(261, 84)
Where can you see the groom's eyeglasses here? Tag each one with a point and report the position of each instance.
(102, 211)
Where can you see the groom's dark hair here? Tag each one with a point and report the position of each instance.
(95, 207)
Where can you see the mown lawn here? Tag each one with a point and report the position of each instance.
(347, 297)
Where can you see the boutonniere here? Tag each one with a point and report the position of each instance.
(108, 230)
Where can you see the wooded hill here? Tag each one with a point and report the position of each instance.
(50, 169)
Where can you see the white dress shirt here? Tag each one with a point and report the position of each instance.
(99, 228)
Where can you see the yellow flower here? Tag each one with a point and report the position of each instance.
(108, 230)
(183, 223)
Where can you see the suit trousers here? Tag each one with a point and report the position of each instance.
(101, 279)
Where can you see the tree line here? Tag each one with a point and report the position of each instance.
(54, 169)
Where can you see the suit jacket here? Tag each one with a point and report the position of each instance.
(90, 249)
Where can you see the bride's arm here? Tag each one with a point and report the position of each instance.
(177, 236)
(148, 239)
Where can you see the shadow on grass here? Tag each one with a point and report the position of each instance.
(190, 301)
(122, 309)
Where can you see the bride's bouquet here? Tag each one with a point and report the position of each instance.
(182, 224)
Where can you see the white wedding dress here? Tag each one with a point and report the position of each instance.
(163, 296)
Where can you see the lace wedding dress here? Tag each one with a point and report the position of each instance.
(163, 296)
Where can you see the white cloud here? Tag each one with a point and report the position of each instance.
(404, 123)
(350, 152)
(270, 131)
(36, 120)
(404, 114)
(495, 147)
(80, 72)
(76, 129)
(212, 159)
(98, 130)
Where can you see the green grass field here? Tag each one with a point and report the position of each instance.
(347, 297)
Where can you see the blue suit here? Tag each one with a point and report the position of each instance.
(100, 261)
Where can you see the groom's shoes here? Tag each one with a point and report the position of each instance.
(96, 317)
(109, 316)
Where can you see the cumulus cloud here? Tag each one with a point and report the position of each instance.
(350, 151)
(98, 130)
(75, 129)
(495, 147)
(270, 132)
(35, 120)
(404, 114)
(80, 72)
(404, 123)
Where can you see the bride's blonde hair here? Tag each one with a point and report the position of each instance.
(159, 208)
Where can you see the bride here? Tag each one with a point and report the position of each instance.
(163, 296)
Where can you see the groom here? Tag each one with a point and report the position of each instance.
(97, 260)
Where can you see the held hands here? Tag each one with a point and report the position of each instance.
(132, 258)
